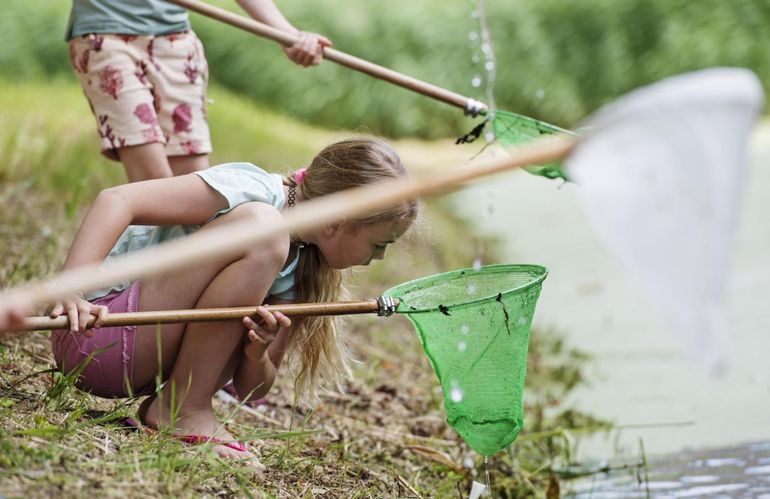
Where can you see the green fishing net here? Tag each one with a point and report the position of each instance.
(474, 327)
(513, 129)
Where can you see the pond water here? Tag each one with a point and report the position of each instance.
(737, 472)
(640, 377)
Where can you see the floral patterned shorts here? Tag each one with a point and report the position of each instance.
(145, 89)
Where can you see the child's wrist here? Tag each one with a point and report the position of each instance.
(255, 357)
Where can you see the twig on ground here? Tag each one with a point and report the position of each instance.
(402, 481)
(436, 456)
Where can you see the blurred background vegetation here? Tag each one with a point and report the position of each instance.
(557, 59)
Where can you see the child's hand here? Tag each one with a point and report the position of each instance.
(79, 311)
(262, 331)
(308, 49)
(12, 315)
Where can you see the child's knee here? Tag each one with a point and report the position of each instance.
(273, 252)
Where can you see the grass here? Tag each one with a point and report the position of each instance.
(386, 436)
(556, 60)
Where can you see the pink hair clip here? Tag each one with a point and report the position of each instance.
(299, 175)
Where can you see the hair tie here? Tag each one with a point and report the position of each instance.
(299, 175)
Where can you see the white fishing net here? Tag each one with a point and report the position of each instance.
(670, 209)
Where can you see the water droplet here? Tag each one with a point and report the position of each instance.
(489, 136)
(470, 289)
(473, 36)
(489, 65)
(461, 346)
(476, 81)
(477, 263)
(540, 93)
(456, 394)
(486, 48)
(468, 462)
(464, 329)
(522, 320)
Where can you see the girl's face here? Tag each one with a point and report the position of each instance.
(347, 245)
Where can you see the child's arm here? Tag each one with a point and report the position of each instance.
(308, 51)
(169, 201)
(186, 199)
(263, 351)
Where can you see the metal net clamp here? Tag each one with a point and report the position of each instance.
(473, 107)
(387, 306)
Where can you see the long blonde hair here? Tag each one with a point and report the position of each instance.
(316, 345)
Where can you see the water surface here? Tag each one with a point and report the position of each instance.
(640, 375)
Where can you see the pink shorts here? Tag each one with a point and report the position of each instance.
(109, 371)
(145, 89)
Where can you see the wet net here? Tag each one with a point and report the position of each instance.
(474, 327)
(512, 130)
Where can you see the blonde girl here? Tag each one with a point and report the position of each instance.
(197, 359)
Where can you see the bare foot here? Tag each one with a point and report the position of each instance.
(142, 410)
(200, 423)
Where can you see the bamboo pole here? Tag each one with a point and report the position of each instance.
(236, 238)
(202, 315)
(470, 106)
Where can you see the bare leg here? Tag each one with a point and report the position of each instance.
(198, 358)
(181, 165)
(145, 161)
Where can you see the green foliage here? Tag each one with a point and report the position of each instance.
(557, 59)
(32, 39)
(48, 123)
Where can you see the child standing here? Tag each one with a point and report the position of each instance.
(198, 359)
(144, 75)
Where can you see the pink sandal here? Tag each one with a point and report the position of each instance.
(200, 439)
(235, 445)
(187, 439)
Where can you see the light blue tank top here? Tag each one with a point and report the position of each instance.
(238, 183)
(129, 17)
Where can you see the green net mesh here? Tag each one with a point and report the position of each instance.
(474, 327)
(513, 129)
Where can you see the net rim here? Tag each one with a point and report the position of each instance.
(540, 270)
(703, 88)
(549, 127)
